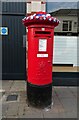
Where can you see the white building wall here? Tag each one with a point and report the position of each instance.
(67, 18)
(65, 50)
(78, 51)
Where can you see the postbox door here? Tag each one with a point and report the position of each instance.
(40, 60)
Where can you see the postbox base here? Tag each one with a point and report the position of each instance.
(39, 96)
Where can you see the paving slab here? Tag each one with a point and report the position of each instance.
(54, 111)
(73, 91)
(63, 92)
(64, 99)
(23, 97)
(69, 104)
(68, 115)
(56, 100)
(51, 115)
(18, 86)
(72, 114)
(0, 95)
(10, 117)
(0, 110)
(0, 85)
(4, 109)
(62, 115)
(21, 109)
(30, 112)
(6, 85)
(12, 109)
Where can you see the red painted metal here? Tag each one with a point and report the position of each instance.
(39, 68)
(40, 61)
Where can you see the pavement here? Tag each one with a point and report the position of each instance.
(64, 102)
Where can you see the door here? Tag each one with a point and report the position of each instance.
(13, 52)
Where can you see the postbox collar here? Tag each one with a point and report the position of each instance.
(40, 18)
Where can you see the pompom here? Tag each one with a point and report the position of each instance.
(27, 18)
(48, 15)
(37, 17)
(31, 17)
(50, 19)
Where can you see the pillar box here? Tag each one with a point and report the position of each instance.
(40, 54)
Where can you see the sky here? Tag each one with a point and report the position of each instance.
(53, 6)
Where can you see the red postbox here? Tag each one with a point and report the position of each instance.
(40, 54)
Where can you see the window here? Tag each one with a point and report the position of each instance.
(70, 25)
(75, 24)
(67, 25)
